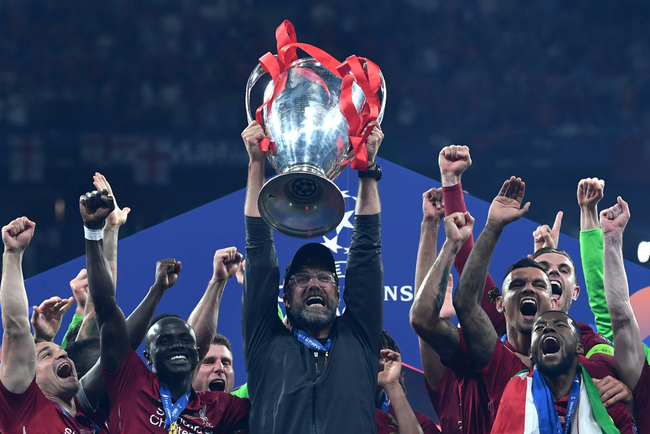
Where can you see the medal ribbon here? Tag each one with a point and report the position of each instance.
(173, 410)
(355, 69)
(309, 341)
(549, 421)
(95, 426)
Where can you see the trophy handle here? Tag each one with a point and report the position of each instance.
(252, 79)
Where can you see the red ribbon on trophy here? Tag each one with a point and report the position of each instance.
(355, 69)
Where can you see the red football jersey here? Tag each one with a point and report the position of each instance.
(31, 412)
(136, 407)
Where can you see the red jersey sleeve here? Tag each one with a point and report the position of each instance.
(132, 374)
(455, 202)
(16, 409)
(384, 424)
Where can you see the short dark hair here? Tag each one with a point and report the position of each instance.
(388, 343)
(522, 263)
(576, 328)
(545, 250)
(163, 316)
(221, 340)
(84, 353)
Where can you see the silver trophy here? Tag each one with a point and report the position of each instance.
(311, 148)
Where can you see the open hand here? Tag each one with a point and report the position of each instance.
(118, 216)
(46, 318)
(506, 207)
(392, 368)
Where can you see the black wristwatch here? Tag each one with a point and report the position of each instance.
(374, 173)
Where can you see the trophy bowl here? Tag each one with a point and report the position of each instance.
(309, 148)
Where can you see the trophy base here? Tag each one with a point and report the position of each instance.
(301, 205)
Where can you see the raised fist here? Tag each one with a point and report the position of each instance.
(252, 136)
(506, 207)
(226, 263)
(95, 207)
(613, 220)
(433, 206)
(167, 271)
(458, 227)
(453, 161)
(374, 141)
(590, 191)
(17, 235)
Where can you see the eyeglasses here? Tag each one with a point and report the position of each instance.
(303, 279)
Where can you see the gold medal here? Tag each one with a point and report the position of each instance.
(173, 428)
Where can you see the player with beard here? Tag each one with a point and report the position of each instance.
(38, 381)
(526, 292)
(321, 375)
(558, 395)
(161, 400)
(216, 373)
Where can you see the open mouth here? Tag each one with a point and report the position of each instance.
(217, 386)
(178, 359)
(550, 345)
(557, 289)
(65, 370)
(528, 307)
(315, 300)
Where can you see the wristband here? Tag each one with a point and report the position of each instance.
(93, 234)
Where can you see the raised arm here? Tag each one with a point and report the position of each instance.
(18, 354)
(94, 208)
(629, 355)
(110, 234)
(364, 270)
(388, 380)
(205, 315)
(252, 136)
(368, 195)
(590, 192)
(479, 332)
(453, 161)
(439, 333)
(433, 212)
(167, 271)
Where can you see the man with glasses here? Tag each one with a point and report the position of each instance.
(320, 376)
